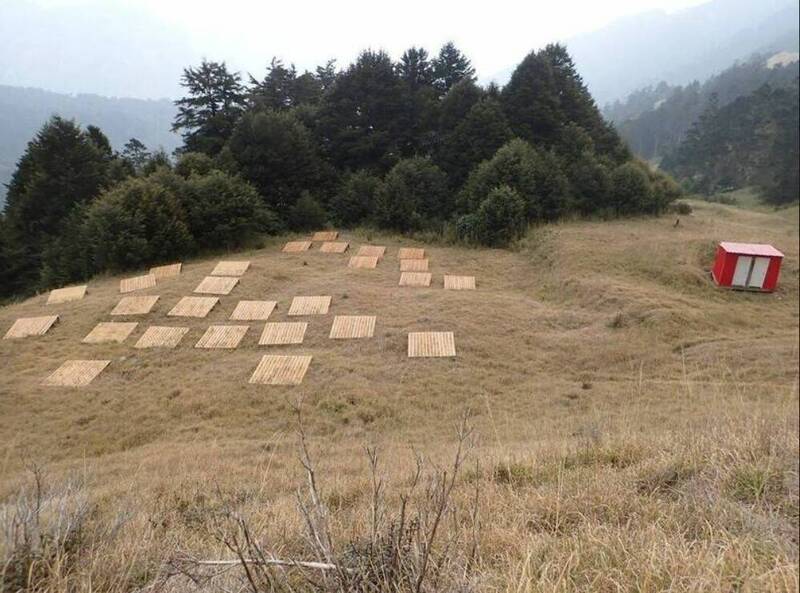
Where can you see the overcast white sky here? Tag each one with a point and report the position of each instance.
(495, 34)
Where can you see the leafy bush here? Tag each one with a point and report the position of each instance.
(194, 162)
(632, 191)
(682, 208)
(355, 200)
(500, 217)
(225, 211)
(307, 214)
(414, 196)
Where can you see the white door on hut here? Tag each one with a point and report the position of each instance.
(742, 271)
(760, 266)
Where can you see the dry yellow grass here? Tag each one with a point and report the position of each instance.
(637, 429)
(325, 236)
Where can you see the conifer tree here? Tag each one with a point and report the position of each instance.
(451, 67)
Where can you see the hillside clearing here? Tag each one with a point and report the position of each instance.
(636, 427)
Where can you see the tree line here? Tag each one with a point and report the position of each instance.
(413, 145)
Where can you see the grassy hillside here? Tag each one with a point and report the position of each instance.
(635, 428)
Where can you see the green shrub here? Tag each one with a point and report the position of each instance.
(194, 163)
(307, 214)
(500, 217)
(355, 200)
(414, 196)
(631, 189)
(682, 208)
(224, 211)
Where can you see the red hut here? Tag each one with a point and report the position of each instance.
(747, 266)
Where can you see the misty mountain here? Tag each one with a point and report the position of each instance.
(691, 44)
(23, 111)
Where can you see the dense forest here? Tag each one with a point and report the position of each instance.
(411, 146)
(655, 120)
(751, 141)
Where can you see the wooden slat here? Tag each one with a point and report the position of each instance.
(415, 279)
(167, 271)
(76, 373)
(230, 268)
(459, 282)
(411, 253)
(372, 251)
(363, 262)
(222, 336)
(110, 331)
(281, 370)
(216, 285)
(310, 305)
(276, 334)
(413, 265)
(193, 307)
(253, 310)
(431, 344)
(352, 326)
(134, 305)
(65, 295)
(334, 247)
(325, 236)
(160, 336)
(296, 246)
(137, 283)
(30, 326)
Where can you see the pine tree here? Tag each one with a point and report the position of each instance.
(531, 101)
(277, 90)
(136, 153)
(207, 116)
(451, 67)
(455, 105)
(415, 69)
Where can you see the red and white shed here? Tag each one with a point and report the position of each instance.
(747, 266)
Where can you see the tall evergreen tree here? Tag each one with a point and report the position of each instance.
(531, 101)
(362, 115)
(455, 105)
(207, 116)
(277, 90)
(415, 69)
(136, 153)
(61, 168)
(451, 67)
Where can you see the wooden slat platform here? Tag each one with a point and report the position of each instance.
(352, 326)
(193, 307)
(134, 305)
(216, 285)
(372, 251)
(137, 283)
(363, 262)
(30, 326)
(296, 246)
(110, 331)
(167, 271)
(411, 253)
(325, 236)
(431, 344)
(76, 373)
(413, 265)
(161, 336)
(334, 247)
(415, 279)
(65, 295)
(459, 282)
(281, 370)
(276, 334)
(222, 336)
(310, 305)
(253, 310)
(230, 268)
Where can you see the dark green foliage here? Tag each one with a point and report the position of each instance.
(355, 200)
(136, 153)
(215, 100)
(225, 211)
(61, 168)
(457, 103)
(277, 154)
(282, 88)
(751, 141)
(69, 257)
(631, 188)
(158, 160)
(307, 214)
(362, 115)
(191, 163)
(476, 138)
(414, 196)
(451, 67)
(591, 184)
(500, 219)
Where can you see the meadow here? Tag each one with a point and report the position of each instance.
(625, 424)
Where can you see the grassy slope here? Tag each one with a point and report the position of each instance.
(637, 427)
